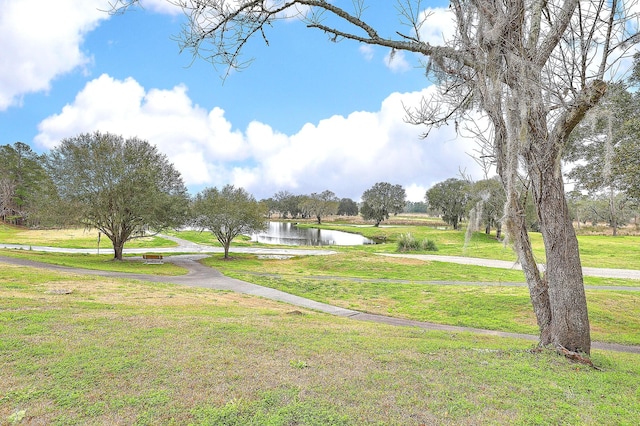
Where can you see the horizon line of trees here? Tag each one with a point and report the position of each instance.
(27, 182)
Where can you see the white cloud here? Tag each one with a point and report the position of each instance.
(415, 192)
(396, 61)
(161, 6)
(40, 41)
(439, 26)
(346, 155)
(194, 139)
(366, 51)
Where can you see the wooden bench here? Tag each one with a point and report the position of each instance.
(155, 259)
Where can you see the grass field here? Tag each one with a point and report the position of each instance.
(125, 352)
(72, 238)
(102, 262)
(365, 282)
(599, 251)
(87, 350)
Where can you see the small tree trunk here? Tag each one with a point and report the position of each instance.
(226, 249)
(118, 248)
(613, 213)
(515, 222)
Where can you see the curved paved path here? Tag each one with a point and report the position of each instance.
(203, 276)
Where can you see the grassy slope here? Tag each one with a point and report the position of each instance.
(125, 352)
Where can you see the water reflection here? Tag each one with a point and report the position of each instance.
(286, 233)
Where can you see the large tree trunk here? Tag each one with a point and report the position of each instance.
(558, 296)
(569, 318)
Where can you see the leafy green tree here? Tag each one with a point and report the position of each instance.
(450, 198)
(271, 205)
(319, 205)
(627, 154)
(597, 208)
(287, 204)
(604, 152)
(123, 188)
(347, 207)
(228, 213)
(488, 197)
(577, 203)
(381, 200)
(22, 178)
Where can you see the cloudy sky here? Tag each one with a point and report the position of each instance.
(307, 115)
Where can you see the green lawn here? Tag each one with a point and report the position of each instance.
(72, 238)
(124, 352)
(103, 262)
(599, 251)
(364, 282)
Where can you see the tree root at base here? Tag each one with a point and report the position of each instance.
(570, 355)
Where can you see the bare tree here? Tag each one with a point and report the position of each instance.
(532, 68)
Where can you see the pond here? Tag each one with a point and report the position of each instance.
(289, 234)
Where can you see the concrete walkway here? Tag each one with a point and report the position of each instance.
(630, 274)
(203, 276)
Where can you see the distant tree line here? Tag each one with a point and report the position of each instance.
(378, 202)
(23, 179)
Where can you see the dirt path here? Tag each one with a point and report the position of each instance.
(203, 276)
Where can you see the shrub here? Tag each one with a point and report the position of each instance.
(407, 242)
(429, 245)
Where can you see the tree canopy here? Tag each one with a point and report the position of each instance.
(381, 200)
(450, 198)
(604, 153)
(22, 178)
(125, 188)
(320, 205)
(228, 213)
(347, 207)
(487, 196)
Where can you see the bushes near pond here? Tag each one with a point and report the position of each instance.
(407, 242)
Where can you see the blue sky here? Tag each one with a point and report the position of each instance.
(305, 116)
